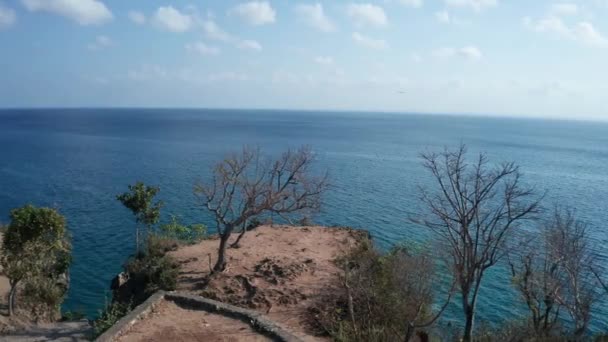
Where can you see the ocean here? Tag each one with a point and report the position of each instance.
(78, 160)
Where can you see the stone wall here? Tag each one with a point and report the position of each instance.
(257, 320)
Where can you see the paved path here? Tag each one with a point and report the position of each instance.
(62, 331)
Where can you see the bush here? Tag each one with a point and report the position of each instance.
(154, 272)
(159, 245)
(379, 296)
(111, 314)
(515, 331)
(182, 233)
(42, 298)
(254, 223)
(306, 222)
(147, 272)
(71, 316)
(36, 257)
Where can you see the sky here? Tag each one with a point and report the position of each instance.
(535, 58)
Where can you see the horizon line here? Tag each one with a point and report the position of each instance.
(334, 110)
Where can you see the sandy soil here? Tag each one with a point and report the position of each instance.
(277, 270)
(169, 322)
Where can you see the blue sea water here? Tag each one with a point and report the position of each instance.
(79, 159)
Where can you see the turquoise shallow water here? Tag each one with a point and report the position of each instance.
(78, 160)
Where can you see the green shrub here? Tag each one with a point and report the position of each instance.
(149, 271)
(42, 297)
(515, 330)
(71, 316)
(254, 223)
(36, 257)
(187, 234)
(378, 296)
(111, 314)
(305, 222)
(158, 245)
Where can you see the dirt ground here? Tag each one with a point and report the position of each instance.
(276, 270)
(169, 322)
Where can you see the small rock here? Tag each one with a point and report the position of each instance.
(119, 280)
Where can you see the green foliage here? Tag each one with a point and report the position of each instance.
(30, 223)
(139, 200)
(152, 269)
(305, 222)
(71, 316)
(111, 314)
(182, 233)
(254, 223)
(36, 256)
(379, 295)
(42, 296)
(516, 330)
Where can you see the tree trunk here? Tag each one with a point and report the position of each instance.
(235, 244)
(136, 240)
(11, 300)
(409, 332)
(351, 306)
(468, 327)
(220, 265)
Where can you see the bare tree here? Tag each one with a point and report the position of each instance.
(246, 185)
(536, 276)
(415, 279)
(557, 274)
(569, 243)
(388, 297)
(473, 213)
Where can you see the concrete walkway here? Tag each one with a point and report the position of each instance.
(61, 331)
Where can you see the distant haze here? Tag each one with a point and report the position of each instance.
(487, 57)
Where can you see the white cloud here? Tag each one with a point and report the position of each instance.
(255, 12)
(367, 15)
(249, 45)
(564, 9)
(173, 20)
(476, 5)
(583, 32)
(137, 17)
(442, 17)
(324, 60)
(314, 16)
(8, 17)
(412, 3)
(84, 12)
(470, 52)
(214, 32)
(203, 49)
(101, 42)
(551, 24)
(369, 42)
(586, 33)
